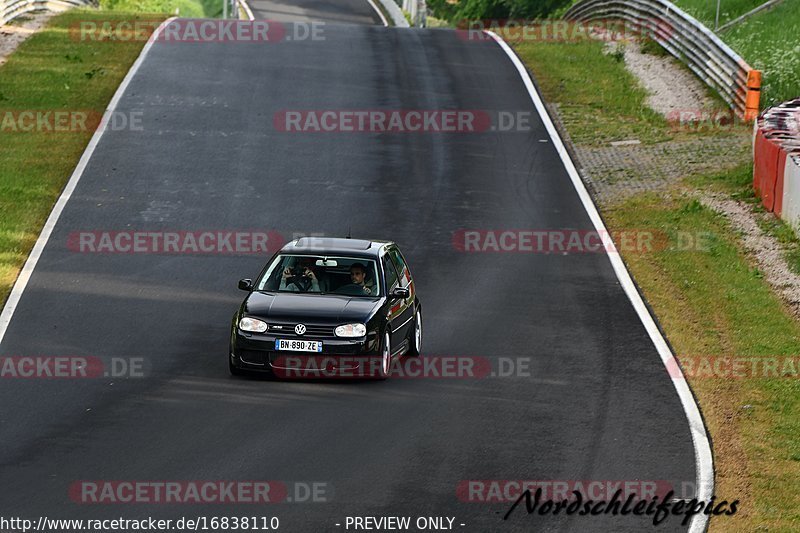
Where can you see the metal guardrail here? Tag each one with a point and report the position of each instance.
(11, 9)
(681, 35)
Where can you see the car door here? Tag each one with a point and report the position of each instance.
(396, 307)
(406, 314)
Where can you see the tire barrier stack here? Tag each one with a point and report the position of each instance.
(776, 161)
(684, 37)
(11, 9)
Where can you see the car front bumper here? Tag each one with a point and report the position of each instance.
(339, 357)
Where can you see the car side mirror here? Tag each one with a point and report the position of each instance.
(400, 293)
(245, 284)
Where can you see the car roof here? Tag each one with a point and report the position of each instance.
(335, 246)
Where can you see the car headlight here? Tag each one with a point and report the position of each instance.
(253, 325)
(351, 330)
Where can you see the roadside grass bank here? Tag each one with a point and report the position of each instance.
(715, 305)
(712, 302)
(454, 11)
(51, 71)
(739, 186)
(769, 42)
(611, 106)
(185, 8)
(706, 11)
(785, 235)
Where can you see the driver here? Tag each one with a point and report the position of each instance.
(305, 281)
(358, 275)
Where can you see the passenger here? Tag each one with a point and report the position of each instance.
(358, 276)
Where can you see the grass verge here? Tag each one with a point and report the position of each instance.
(598, 98)
(738, 184)
(768, 41)
(51, 71)
(185, 8)
(609, 108)
(705, 11)
(711, 302)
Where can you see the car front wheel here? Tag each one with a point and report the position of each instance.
(416, 335)
(386, 358)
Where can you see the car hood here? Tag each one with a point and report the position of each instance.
(310, 308)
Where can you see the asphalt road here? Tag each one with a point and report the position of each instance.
(328, 11)
(597, 405)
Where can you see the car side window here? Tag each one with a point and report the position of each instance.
(402, 268)
(391, 273)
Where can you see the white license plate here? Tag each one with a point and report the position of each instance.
(298, 346)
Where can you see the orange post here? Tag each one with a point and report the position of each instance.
(753, 95)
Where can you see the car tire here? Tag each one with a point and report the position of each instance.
(385, 366)
(415, 338)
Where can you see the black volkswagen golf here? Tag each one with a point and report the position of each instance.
(328, 307)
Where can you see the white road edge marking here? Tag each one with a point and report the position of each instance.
(380, 13)
(702, 448)
(27, 270)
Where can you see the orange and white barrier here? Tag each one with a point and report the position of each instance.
(776, 161)
(752, 95)
(790, 211)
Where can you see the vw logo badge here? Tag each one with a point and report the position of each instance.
(299, 329)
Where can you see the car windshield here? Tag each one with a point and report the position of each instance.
(317, 274)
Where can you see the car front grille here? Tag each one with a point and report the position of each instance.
(287, 330)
